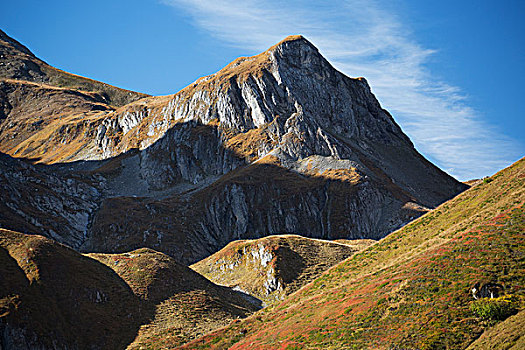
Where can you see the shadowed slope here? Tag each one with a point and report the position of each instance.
(249, 202)
(53, 297)
(186, 304)
(415, 283)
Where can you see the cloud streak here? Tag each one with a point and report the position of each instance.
(361, 38)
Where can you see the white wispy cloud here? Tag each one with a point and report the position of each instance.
(362, 38)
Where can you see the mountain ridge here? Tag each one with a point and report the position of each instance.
(283, 124)
(18, 62)
(223, 175)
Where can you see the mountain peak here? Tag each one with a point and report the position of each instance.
(292, 44)
(291, 38)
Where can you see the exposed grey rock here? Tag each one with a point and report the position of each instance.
(53, 202)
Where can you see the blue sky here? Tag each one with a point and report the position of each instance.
(450, 72)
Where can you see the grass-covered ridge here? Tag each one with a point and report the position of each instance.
(184, 304)
(19, 63)
(412, 289)
(273, 267)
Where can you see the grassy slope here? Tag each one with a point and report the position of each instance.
(289, 261)
(509, 334)
(42, 115)
(185, 304)
(410, 290)
(52, 296)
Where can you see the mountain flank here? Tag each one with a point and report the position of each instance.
(508, 334)
(223, 176)
(53, 297)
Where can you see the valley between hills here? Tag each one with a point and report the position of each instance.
(272, 205)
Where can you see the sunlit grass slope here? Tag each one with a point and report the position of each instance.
(412, 289)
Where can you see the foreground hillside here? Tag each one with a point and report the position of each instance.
(52, 297)
(508, 335)
(273, 267)
(412, 290)
(186, 304)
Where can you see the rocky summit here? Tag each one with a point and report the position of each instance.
(278, 143)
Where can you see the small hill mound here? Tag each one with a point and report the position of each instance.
(273, 267)
(52, 297)
(411, 290)
(186, 304)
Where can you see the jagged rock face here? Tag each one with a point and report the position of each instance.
(35, 199)
(278, 142)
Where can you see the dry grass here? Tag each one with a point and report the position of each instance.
(20, 63)
(186, 304)
(509, 334)
(60, 298)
